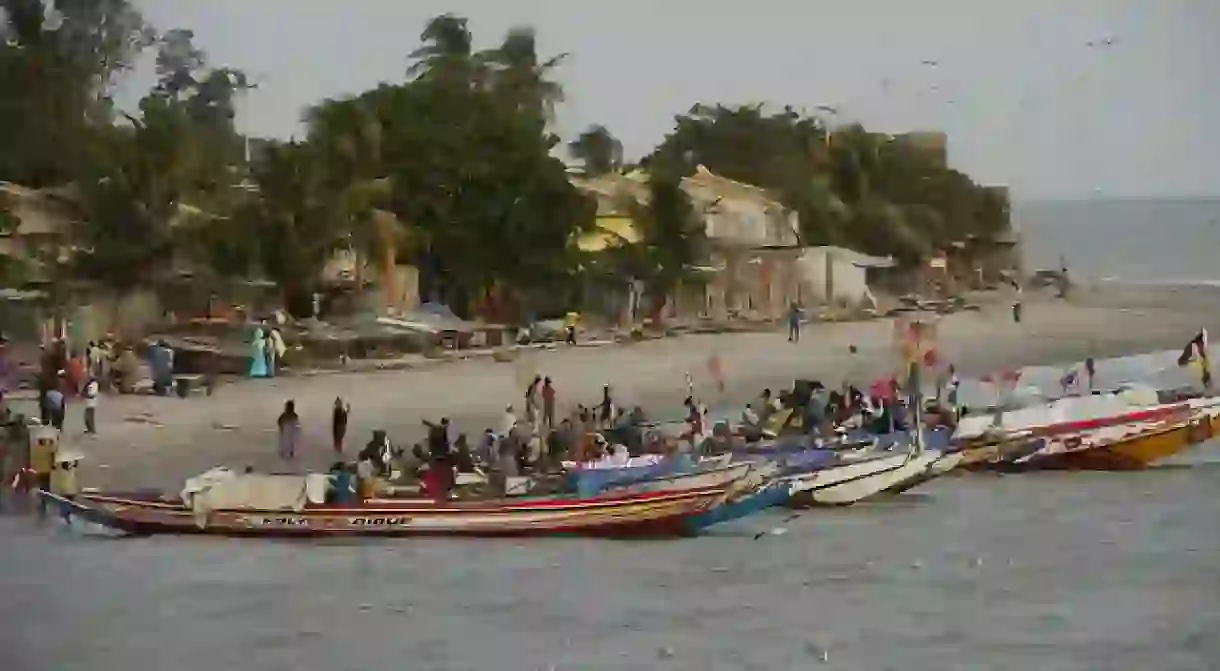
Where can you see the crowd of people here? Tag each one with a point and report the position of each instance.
(532, 441)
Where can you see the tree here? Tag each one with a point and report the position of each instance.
(849, 186)
(521, 77)
(446, 53)
(598, 150)
(57, 69)
(290, 221)
(148, 185)
(467, 156)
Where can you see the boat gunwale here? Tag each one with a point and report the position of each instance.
(425, 505)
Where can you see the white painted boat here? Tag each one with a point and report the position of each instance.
(856, 481)
(1133, 404)
(944, 464)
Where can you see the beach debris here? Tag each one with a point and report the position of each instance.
(224, 427)
(917, 564)
(777, 531)
(665, 652)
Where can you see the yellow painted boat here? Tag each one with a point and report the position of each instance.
(1137, 451)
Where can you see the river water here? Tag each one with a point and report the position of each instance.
(1086, 571)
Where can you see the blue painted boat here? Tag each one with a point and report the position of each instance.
(589, 482)
(775, 493)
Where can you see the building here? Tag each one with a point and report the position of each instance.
(38, 224)
(753, 242)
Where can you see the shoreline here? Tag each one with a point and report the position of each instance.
(154, 441)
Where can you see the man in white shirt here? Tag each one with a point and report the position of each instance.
(91, 391)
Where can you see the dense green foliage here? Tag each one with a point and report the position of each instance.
(873, 192)
(453, 168)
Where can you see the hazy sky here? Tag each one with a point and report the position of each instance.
(1025, 100)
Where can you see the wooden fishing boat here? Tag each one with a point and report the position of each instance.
(944, 464)
(617, 515)
(714, 477)
(1078, 414)
(769, 495)
(985, 455)
(1122, 448)
(860, 479)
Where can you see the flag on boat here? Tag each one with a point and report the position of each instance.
(1195, 352)
(916, 341)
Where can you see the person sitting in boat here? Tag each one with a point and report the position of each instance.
(816, 408)
(766, 406)
(377, 452)
(463, 458)
(694, 423)
(486, 450)
(751, 424)
(438, 439)
(342, 488)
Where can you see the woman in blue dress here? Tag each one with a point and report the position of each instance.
(258, 355)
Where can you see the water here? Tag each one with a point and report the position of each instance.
(1133, 240)
(1081, 571)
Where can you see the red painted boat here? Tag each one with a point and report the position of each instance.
(618, 515)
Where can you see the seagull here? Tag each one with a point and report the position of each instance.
(930, 63)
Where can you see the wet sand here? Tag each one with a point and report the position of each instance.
(146, 441)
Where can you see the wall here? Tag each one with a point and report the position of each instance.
(850, 283)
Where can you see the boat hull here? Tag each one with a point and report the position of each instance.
(853, 482)
(941, 466)
(649, 514)
(770, 496)
(1132, 453)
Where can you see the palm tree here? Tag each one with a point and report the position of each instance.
(598, 150)
(522, 76)
(446, 52)
(349, 133)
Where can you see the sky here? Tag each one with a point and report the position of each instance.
(1025, 99)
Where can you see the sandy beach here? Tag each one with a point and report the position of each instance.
(146, 441)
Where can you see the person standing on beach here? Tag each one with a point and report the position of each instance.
(290, 430)
(794, 322)
(91, 392)
(258, 355)
(56, 406)
(1016, 302)
(548, 404)
(533, 403)
(605, 409)
(338, 423)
